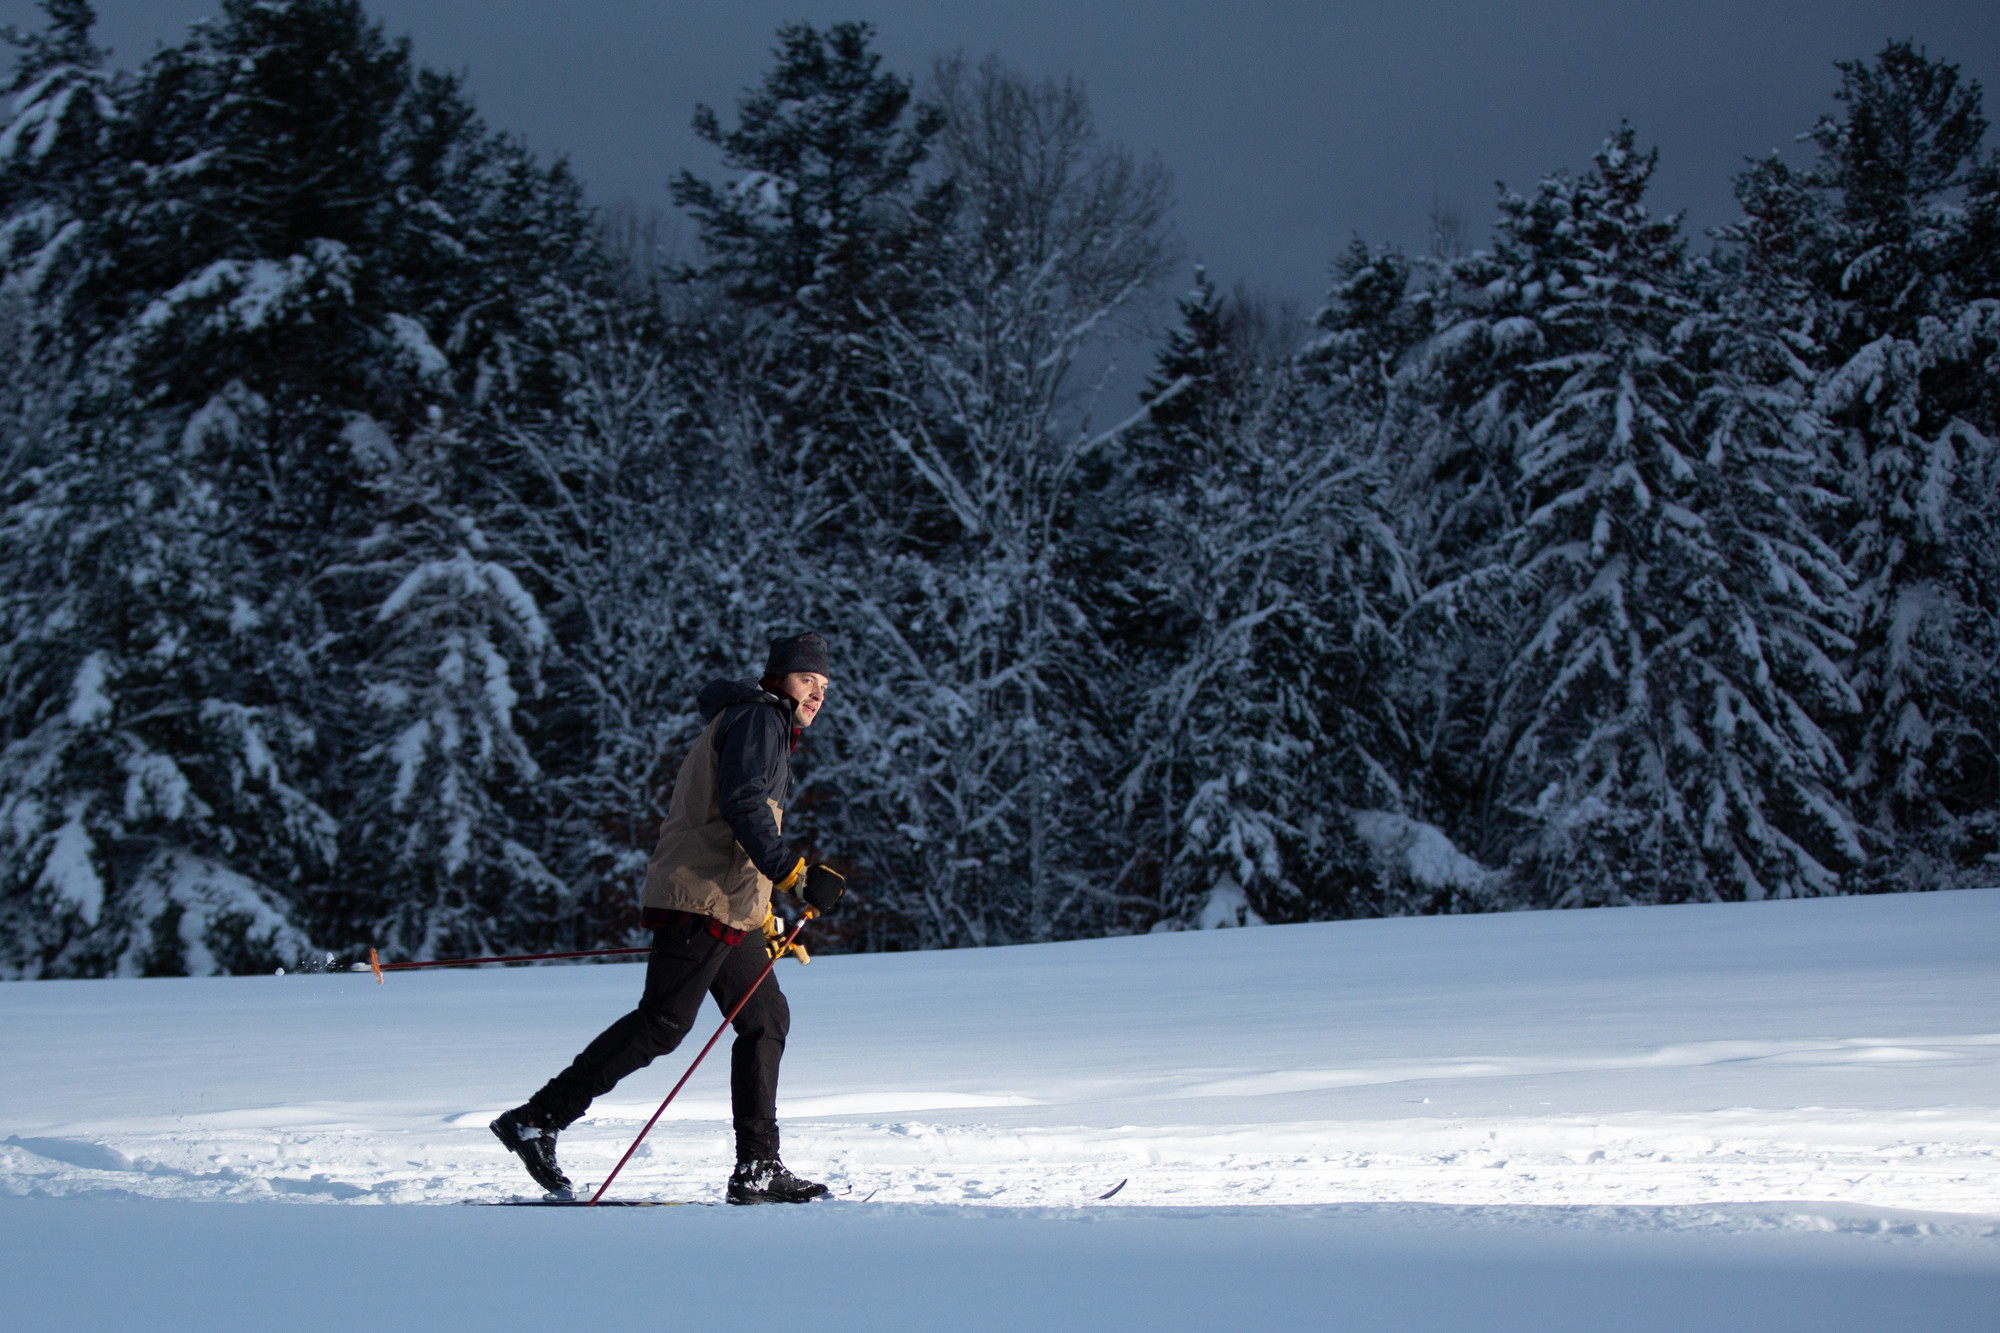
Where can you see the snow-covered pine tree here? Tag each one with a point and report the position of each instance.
(1276, 776)
(457, 844)
(1967, 785)
(1199, 372)
(1878, 264)
(437, 821)
(55, 158)
(822, 236)
(1659, 736)
(1416, 363)
(1376, 315)
(1203, 380)
(298, 259)
(156, 823)
(668, 560)
(974, 755)
(321, 141)
(1273, 726)
(827, 143)
(1930, 700)
(1920, 320)
(1908, 142)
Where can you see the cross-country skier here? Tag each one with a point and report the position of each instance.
(708, 892)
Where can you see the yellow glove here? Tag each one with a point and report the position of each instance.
(791, 882)
(774, 940)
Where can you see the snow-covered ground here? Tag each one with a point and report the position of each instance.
(1529, 1120)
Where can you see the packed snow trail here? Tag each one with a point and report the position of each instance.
(1360, 1268)
(1835, 1052)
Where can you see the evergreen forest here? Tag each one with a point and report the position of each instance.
(372, 508)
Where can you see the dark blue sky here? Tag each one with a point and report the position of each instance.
(1289, 126)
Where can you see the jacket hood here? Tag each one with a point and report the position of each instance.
(720, 694)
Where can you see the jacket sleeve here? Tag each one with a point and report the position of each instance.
(754, 754)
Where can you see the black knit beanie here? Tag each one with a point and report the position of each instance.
(803, 652)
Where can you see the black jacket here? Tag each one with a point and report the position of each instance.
(754, 760)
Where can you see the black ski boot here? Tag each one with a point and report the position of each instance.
(768, 1181)
(530, 1138)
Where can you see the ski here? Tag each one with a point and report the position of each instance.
(585, 1203)
(846, 1196)
(843, 1197)
(551, 1201)
(1114, 1189)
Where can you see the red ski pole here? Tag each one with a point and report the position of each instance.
(376, 964)
(776, 954)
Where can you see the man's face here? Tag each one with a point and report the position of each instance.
(809, 688)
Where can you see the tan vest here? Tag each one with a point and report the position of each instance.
(698, 865)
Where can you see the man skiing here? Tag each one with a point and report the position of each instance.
(708, 893)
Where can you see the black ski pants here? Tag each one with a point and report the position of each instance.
(686, 963)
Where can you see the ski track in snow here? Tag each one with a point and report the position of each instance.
(1783, 1063)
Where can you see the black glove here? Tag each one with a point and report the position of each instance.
(823, 889)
